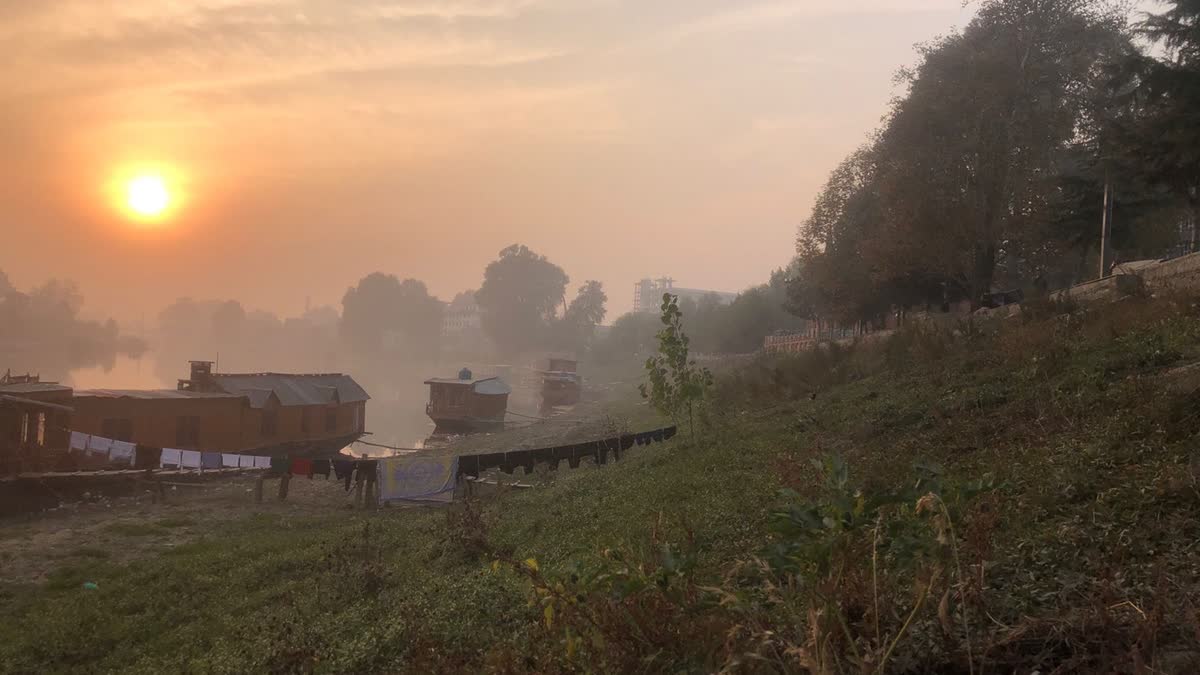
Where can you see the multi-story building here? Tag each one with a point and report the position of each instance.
(648, 293)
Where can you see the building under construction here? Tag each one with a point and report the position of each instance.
(648, 294)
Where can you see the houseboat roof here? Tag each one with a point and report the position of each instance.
(32, 387)
(28, 402)
(152, 394)
(292, 390)
(489, 386)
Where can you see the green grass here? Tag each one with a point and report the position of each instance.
(1096, 507)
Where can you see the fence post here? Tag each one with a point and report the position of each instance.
(283, 486)
(258, 490)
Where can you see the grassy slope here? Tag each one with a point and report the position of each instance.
(1096, 508)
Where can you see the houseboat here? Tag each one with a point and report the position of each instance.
(464, 404)
(561, 383)
(279, 414)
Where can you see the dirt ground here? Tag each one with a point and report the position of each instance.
(121, 529)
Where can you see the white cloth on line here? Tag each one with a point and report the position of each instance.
(99, 445)
(229, 461)
(79, 440)
(189, 459)
(122, 451)
(171, 457)
(246, 461)
(262, 462)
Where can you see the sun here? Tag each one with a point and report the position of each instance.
(147, 195)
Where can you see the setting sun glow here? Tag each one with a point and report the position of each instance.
(147, 196)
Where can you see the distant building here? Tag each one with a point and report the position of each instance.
(461, 316)
(648, 293)
(268, 413)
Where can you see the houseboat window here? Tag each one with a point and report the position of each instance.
(331, 419)
(41, 429)
(117, 429)
(358, 416)
(270, 421)
(24, 427)
(187, 432)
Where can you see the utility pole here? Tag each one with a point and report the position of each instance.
(1105, 227)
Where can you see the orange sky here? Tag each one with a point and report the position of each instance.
(321, 140)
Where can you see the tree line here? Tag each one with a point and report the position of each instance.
(991, 170)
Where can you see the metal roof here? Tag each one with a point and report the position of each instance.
(4, 398)
(152, 394)
(487, 385)
(292, 390)
(32, 387)
(492, 387)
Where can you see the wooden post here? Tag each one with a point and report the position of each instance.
(283, 486)
(358, 492)
(258, 490)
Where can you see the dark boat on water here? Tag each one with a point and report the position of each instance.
(467, 405)
(561, 383)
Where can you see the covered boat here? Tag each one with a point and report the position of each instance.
(466, 405)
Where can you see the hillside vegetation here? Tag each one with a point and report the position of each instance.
(967, 498)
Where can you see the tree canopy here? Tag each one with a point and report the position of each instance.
(384, 313)
(984, 175)
(519, 299)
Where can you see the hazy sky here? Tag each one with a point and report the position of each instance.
(321, 140)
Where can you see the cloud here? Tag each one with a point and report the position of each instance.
(755, 15)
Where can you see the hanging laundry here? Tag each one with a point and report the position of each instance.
(343, 469)
(320, 467)
(262, 462)
(281, 464)
(544, 456)
(417, 478)
(146, 457)
(525, 459)
(210, 460)
(368, 470)
(99, 446)
(302, 467)
(121, 452)
(230, 461)
(468, 465)
(246, 461)
(189, 459)
(491, 460)
(79, 441)
(170, 458)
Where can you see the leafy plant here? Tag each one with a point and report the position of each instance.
(676, 386)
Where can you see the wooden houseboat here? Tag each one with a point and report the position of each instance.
(35, 418)
(561, 383)
(299, 415)
(465, 405)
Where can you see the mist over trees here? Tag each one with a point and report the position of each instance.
(241, 340)
(519, 299)
(41, 332)
(383, 313)
(990, 170)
